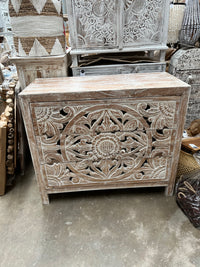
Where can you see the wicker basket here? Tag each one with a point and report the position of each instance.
(190, 29)
(186, 164)
(37, 27)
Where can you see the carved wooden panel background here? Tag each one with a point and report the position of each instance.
(185, 65)
(98, 143)
(110, 24)
(96, 22)
(143, 21)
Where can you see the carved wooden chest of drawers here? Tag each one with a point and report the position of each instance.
(101, 132)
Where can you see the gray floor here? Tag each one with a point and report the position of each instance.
(107, 228)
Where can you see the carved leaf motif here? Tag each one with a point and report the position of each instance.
(159, 115)
(50, 120)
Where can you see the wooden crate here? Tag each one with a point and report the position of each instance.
(102, 132)
(30, 68)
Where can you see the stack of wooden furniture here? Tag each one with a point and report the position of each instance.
(121, 27)
(117, 131)
(8, 134)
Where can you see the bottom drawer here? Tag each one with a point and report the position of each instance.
(119, 69)
(106, 172)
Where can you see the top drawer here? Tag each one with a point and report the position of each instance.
(56, 118)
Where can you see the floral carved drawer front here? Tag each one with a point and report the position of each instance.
(98, 143)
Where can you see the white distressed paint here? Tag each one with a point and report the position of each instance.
(37, 26)
(38, 50)
(38, 5)
(57, 4)
(57, 48)
(16, 5)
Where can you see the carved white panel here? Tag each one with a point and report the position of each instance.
(104, 142)
(117, 24)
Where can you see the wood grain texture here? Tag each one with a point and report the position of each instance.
(105, 132)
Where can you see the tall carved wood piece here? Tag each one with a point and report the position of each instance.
(105, 132)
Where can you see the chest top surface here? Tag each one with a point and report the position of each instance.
(138, 84)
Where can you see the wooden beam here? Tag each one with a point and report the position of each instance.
(3, 131)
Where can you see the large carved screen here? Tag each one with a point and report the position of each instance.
(114, 23)
(104, 143)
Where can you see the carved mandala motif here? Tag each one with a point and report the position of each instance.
(106, 145)
(104, 142)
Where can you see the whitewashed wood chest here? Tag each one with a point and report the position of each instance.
(185, 65)
(103, 132)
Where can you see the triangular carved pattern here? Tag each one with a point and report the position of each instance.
(26, 9)
(22, 53)
(41, 47)
(47, 43)
(50, 8)
(34, 7)
(38, 49)
(14, 6)
(27, 44)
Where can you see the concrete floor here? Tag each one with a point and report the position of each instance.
(136, 228)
